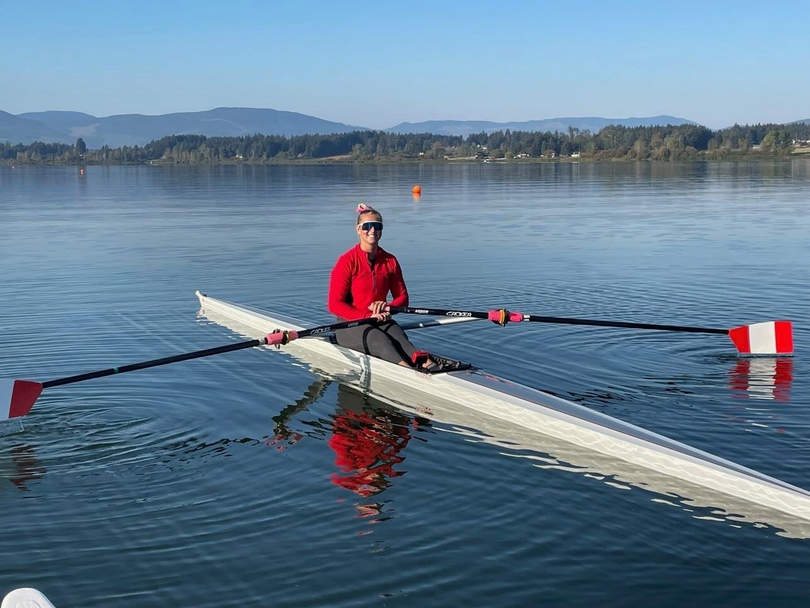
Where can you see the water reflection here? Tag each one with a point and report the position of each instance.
(283, 436)
(23, 467)
(762, 378)
(368, 441)
(368, 437)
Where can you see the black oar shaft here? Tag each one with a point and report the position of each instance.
(627, 324)
(313, 331)
(442, 312)
(153, 363)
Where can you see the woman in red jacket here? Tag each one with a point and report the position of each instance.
(358, 288)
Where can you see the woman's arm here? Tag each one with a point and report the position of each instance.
(340, 285)
(398, 289)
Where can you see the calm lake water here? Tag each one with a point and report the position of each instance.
(216, 482)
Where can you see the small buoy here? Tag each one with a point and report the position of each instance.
(26, 598)
(417, 189)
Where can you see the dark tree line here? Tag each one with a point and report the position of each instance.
(613, 142)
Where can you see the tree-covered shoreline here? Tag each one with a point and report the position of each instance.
(660, 143)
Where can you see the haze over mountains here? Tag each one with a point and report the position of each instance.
(139, 129)
(591, 123)
(17, 129)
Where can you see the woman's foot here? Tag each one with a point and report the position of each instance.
(421, 358)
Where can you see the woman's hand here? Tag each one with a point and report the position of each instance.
(378, 310)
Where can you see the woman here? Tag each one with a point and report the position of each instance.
(358, 288)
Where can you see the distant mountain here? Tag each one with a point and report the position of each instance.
(805, 121)
(62, 122)
(139, 129)
(593, 124)
(16, 129)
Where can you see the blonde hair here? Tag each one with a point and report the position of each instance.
(363, 209)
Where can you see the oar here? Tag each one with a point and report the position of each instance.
(22, 394)
(436, 323)
(767, 338)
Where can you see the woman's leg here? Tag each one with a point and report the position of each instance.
(397, 334)
(376, 341)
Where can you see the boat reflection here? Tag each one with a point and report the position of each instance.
(550, 453)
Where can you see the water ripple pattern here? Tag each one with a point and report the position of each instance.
(250, 479)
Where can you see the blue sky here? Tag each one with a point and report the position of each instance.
(376, 64)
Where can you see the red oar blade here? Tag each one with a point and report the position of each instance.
(17, 397)
(769, 338)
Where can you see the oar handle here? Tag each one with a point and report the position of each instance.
(438, 312)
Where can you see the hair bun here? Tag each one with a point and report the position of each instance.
(363, 207)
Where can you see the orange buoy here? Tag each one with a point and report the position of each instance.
(417, 189)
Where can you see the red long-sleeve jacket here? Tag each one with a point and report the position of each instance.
(355, 283)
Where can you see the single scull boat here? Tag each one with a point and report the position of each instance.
(531, 409)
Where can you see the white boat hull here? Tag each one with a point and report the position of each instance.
(489, 397)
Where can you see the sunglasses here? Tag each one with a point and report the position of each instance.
(366, 226)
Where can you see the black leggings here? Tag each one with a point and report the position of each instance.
(386, 341)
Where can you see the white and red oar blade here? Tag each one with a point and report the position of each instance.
(769, 338)
(17, 397)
